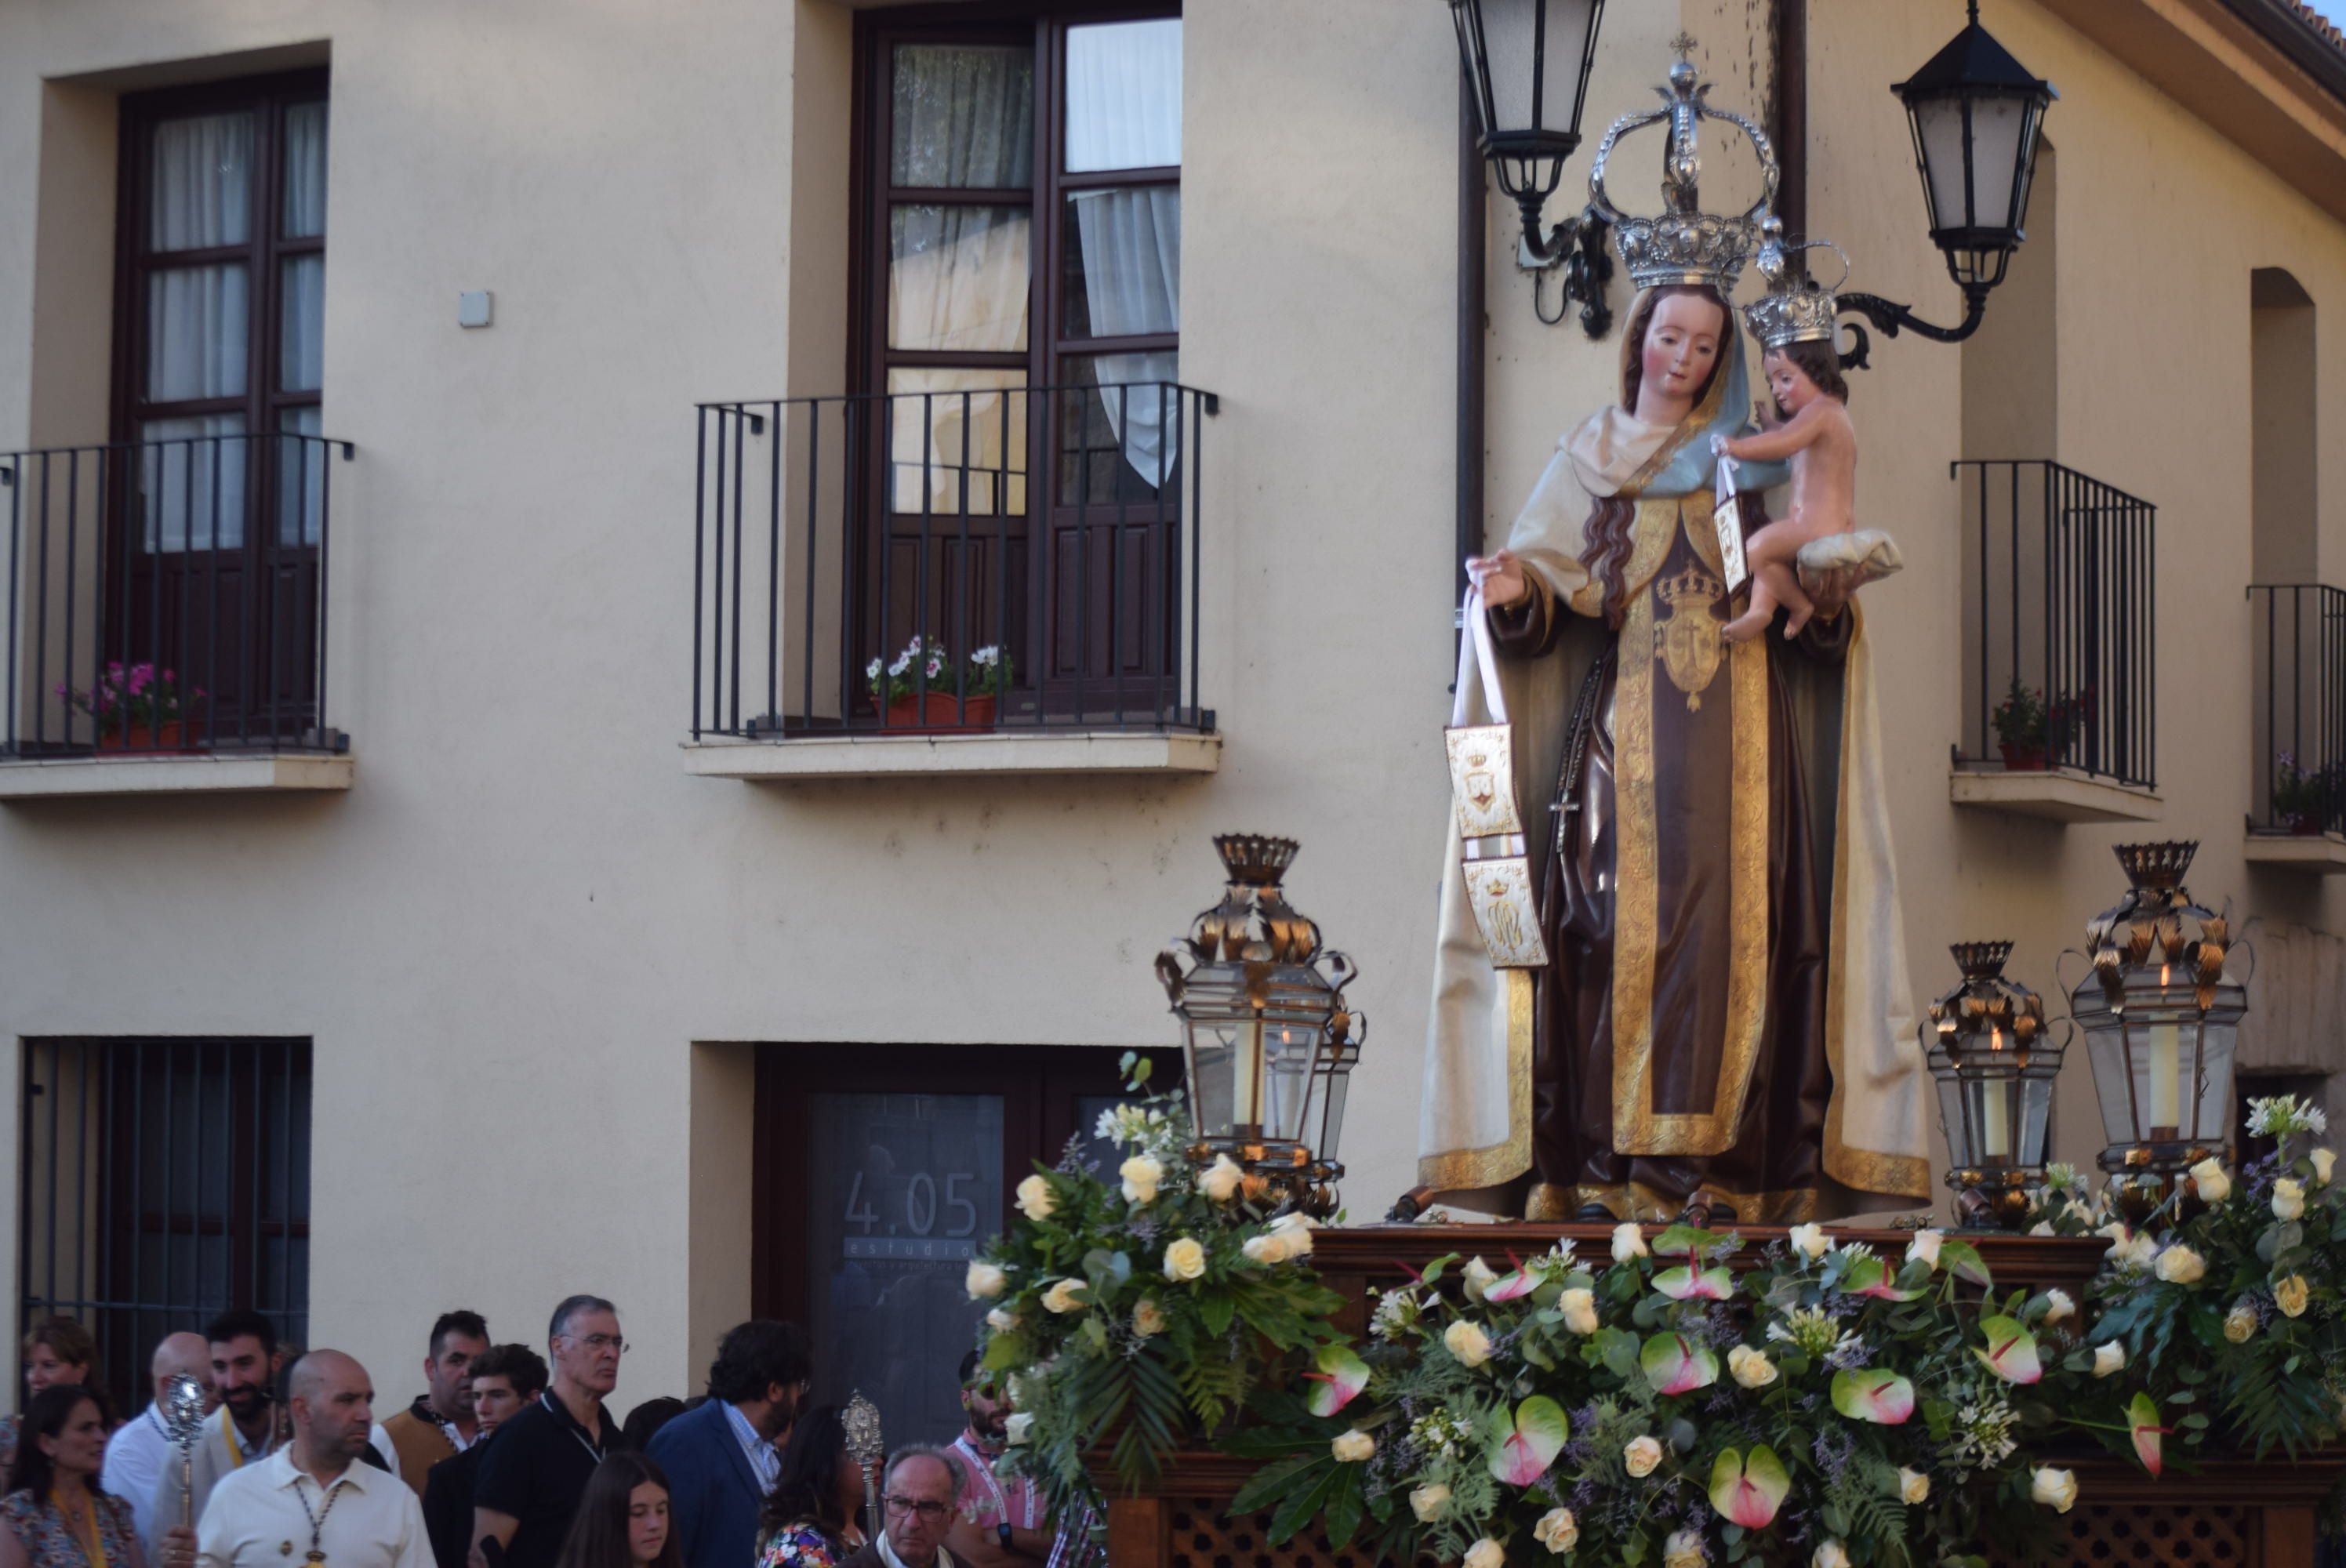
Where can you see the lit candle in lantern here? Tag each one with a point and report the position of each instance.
(2166, 1070)
(1246, 1098)
(1996, 1135)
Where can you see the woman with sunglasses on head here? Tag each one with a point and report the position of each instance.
(811, 1517)
(57, 1513)
(623, 1519)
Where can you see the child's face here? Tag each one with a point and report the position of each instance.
(1793, 389)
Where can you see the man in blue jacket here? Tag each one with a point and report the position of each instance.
(723, 1457)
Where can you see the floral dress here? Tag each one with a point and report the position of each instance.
(801, 1543)
(50, 1543)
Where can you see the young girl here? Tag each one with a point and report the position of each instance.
(1811, 428)
(622, 1518)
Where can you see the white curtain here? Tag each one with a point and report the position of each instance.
(305, 171)
(964, 117)
(1123, 96)
(198, 329)
(957, 278)
(202, 191)
(195, 488)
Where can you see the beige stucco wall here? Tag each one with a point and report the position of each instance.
(529, 948)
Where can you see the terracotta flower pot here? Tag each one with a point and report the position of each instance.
(2306, 824)
(2021, 758)
(940, 711)
(171, 735)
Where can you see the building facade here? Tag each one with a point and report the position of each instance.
(527, 426)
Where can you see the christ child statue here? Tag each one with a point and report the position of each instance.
(1809, 426)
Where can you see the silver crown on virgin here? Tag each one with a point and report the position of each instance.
(1683, 244)
(1796, 309)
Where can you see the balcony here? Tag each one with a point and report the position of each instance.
(2296, 815)
(167, 618)
(997, 579)
(2060, 692)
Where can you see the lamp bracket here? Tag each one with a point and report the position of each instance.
(1892, 318)
(1578, 248)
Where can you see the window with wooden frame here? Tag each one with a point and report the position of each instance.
(219, 372)
(1019, 305)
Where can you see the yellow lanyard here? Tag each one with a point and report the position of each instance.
(93, 1545)
(227, 1440)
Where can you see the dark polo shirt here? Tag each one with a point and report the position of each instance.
(536, 1471)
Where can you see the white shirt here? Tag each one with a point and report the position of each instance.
(765, 1462)
(256, 1518)
(134, 1464)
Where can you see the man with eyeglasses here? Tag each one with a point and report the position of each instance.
(917, 1498)
(530, 1480)
(723, 1458)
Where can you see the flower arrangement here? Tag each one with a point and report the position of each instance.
(1675, 1399)
(136, 695)
(924, 660)
(2303, 793)
(2028, 725)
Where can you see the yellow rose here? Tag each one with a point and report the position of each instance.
(1185, 1260)
(1271, 1246)
(1579, 1310)
(1466, 1343)
(1913, 1486)
(1428, 1502)
(1628, 1242)
(1484, 1553)
(1684, 1549)
(1750, 1367)
(1141, 1176)
(1148, 1318)
(1352, 1447)
(2240, 1324)
(985, 1280)
(2290, 1293)
(1001, 1321)
(1925, 1245)
(1221, 1179)
(1557, 1530)
(1065, 1296)
(1479, 1276)
(2108, 1358)
(1641, 1455)
(2179, 1265)
(2058, 1306)
(2289, 1198)
(2057, 1487)
(1831, 1554)
(2324, 1162)
(2210, 1180)
(1034, 1199)
(1809, 1241)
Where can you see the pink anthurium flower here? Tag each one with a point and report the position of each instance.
(1877, 1395)
(1871, 1276)
(1512, 1287)
(1683, 1284)
(2142, 1421)
(1675, 1364)
(2011, 1353)
(1528, 1444)
(1963, 1260)
(1749, 1491)
(1339, 1381)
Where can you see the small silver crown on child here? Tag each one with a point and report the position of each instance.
(1683, 244)
(1796, 309)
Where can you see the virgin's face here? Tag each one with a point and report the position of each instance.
(1682, 344)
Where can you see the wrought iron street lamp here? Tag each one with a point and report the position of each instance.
(1527, 65)
(1994, 1061)
(2160, 1016)
(1974, 112)
(1267, 1039)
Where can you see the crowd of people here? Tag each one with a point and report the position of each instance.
(506, 1459)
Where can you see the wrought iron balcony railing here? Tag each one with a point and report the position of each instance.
(167, 596)
(994, 557)
(2298, 680)
(2059, 626)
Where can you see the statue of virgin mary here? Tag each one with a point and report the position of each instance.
(1724, 1022)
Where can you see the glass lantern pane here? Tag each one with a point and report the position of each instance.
(1292, 1053)
(1330, 1113)
(1996, 127)
(1962, 1140)
(2034, 1131)
(2106, 1049)
(2214, 1118)
(1939, 138)
(1529, 90)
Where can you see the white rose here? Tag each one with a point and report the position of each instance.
(1579, 1310)
(1750, 1367)
(2289, 1198)
(1628, 1242)
(1809, 1241)
(1141, 1176)
(1185, 1260)
(2240, 1324)
(1352, 1447)
(1065, 1296)
(1428, 1502)
(1641, 1455)
(2324, 1162)
(1148, 1318)
(1831, 1554)
(1466, 1343)
(1479, 1278)
(1270, 1248)
(2057, 1487)
(1221, 1179)
(2042, 1227)
(2137, 1251)
(1925, 1245)
(1296, 1231)
(1557, 1530)
(1484, 1553)
(1913, 1486)
(2058, 1308)
(1034, 1199)
(985, 1280)
(1018, 1428)
(2179, 1265)
(1684, 1549)
(1002, 1321)
(2109, 1358)
(2210, 1178)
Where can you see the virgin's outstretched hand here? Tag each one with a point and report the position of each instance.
(1500, 578)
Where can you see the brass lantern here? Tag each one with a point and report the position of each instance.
(2161, 1018)
(1994, 1061)
(1268, 1043)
